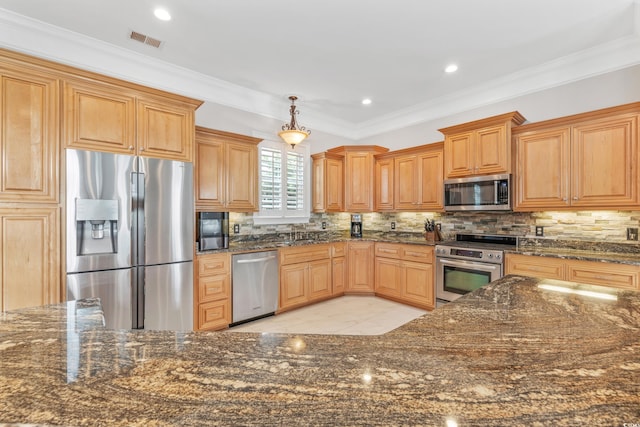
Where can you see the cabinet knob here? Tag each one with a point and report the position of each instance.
(141, 148)
(131, 148)
(565, 199)
(575, 197)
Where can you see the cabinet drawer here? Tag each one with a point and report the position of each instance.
(214, 315)
(211, 288)
(548, 268)
(213, 264)
(294, 255)
(338, 249)
(598, 273)
(389, 250)
(418, 253)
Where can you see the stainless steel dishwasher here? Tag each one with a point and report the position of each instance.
(255, 283)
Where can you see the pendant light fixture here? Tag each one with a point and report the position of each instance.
(292, 133)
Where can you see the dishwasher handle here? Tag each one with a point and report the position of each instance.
(251, 261)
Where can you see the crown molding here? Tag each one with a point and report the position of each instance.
(47, 41)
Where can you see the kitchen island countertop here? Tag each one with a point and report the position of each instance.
(519, 351)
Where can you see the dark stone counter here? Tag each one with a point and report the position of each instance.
(510, 353)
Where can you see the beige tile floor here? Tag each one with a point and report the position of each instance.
(347, 315)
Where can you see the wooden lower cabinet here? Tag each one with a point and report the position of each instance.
(405, 273)
(591, 272)
(213, 291)
(360, 268)
(30, 253)
(305, 275)
(338, 268)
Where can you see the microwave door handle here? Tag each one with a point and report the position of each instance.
(496, 187)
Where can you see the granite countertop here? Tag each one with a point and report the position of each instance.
(510, 353)
(581, 254)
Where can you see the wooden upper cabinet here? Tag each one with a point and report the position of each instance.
(588, 160)
(29, 136)
(103, 116)
(226, 171)
(359, 176)
(327, 182)
(418, 178)
(384, 176)
(482, 147)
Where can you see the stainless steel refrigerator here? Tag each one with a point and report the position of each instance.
(129, 238)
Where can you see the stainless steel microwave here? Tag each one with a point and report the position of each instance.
(478, 193)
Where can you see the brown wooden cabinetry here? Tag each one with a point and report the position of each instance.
(305, 275)
(338, 267)
(226, 172)
(328, 182)
(383, 195)
(584, 161)
(481, 147)
(213, 291)
(360, 267)
(418, 179)
(591, 272)
(405, 273)
(105, 116)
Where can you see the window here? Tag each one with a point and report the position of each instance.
(284, 184)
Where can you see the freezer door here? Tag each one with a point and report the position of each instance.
(113, 287)
(168, 212)
(98, 211)
(168, 297)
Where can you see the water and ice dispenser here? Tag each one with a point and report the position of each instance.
(96, 226)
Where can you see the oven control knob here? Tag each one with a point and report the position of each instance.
(498, 256)
(490, 256)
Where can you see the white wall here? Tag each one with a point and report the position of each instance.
(607, 90)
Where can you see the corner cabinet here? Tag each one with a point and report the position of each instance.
(226, 171)
(481, 147)
(360, 267)
(105, 116)
(584, 161)
(418, 179)
(327, 182)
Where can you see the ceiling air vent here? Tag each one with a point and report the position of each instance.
(145, 39)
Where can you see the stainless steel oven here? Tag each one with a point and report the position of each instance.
(469, 263)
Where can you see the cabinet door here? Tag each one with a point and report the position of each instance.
(334, 189)
(318, 183)
(535, 266)
(339, 275)
(214, 315)
(605, 274)
(30, 253)
(458, 155)
(165, 129)
(542, 170)
(211, 288)
(417, 284)
(29, 141)
(361, 269)
(384, 179)
(430, 177)
(210, 174)
(242, 177)
(492, 152)
(405, 183)
(605, 162)
(388, 277)
(358, 182)
(319, 279)
(99, 116)
(293, 285)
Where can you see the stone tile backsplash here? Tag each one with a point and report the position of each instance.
(598, 226)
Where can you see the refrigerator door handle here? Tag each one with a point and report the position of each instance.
(138, 289)
(137, 214)
(141, 220)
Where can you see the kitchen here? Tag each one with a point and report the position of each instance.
(595, 228)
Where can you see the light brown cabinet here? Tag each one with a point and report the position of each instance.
(328, 182)
(360, 269)
(481, 147)
(213, 291)
(418, 179)
(30, 250)
(104, 116)
(591, 272)
(358, 176)
(338, 268)
(305, 275)
(383, 197)
(226, 171)
(405, 273)
(579, 162)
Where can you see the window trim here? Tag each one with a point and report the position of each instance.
(264, 218)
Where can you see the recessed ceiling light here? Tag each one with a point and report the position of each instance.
(366, 101)
(451, 68)
(162, 14)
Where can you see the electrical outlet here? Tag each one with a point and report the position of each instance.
(393, 225)
(324, 225)
(632, 233)
(236, 228)
(539, 230)
(439, 227)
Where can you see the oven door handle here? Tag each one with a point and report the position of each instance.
(463, 263)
